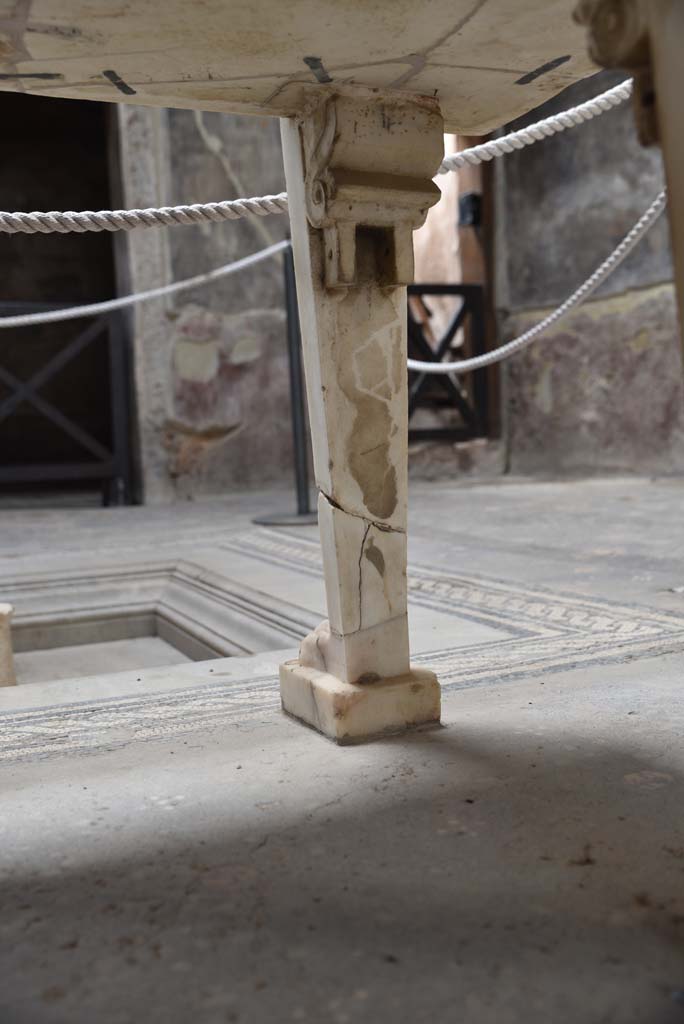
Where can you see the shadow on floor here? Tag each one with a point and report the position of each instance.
(479, 877)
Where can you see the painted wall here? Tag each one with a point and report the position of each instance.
(211, 364)
(603, 391)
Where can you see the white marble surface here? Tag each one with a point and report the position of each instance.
(95, 659)
(349, 712)
(7, 669)
(487, 62)
(358, 170)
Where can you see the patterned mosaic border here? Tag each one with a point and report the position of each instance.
(542, 632)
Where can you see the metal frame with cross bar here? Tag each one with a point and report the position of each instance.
(108, 465)
(473, 409)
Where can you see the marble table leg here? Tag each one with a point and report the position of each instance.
(358, 169)
(7, 676)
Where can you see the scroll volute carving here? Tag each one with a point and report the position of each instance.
(319, 140)
(618, 37)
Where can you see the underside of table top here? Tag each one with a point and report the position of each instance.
(485, 61)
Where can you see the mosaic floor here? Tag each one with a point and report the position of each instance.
(173, 848)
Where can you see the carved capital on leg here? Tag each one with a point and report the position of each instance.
(368, 164)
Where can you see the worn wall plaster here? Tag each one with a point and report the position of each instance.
(601, 390)
(211, 375)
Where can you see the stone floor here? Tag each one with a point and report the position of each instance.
(173, 849)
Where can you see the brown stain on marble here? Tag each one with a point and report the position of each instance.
(367, 380)
(369, 459)
(375, 556)
(7, 48)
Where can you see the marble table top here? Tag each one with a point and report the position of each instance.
(485, 61)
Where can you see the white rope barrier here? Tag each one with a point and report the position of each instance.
(126, 220)
(261, 206)
(95, 308)
(631, 239)
(541, 130)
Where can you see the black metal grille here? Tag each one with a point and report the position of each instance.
(96, 455)
(469, 394)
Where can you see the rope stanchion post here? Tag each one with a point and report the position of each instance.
(304, 515)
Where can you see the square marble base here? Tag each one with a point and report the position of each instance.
(351, 712)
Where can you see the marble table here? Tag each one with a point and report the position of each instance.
(365, 92)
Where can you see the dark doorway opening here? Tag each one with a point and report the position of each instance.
(64, 387)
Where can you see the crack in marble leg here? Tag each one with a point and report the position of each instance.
(363, 542)
(384, 527)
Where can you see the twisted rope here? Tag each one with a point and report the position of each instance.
(127, 220)
(51, 316)
(645, 222)
(260, 206)
(541, 130)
